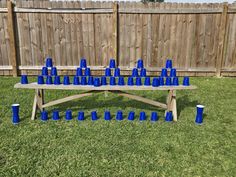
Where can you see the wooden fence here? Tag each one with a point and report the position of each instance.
(200, 38)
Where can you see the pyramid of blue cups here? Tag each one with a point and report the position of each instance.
(49, 76)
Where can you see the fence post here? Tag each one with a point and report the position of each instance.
(115, 32)
(10, 27)
(222, 39)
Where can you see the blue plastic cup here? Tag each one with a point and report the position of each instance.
(121, 81)
(80, 116)
(66, 80)
(164, 72)
(15, 113)
(44, 116)
(186, 81)
(68, 115)
(168, 81)
(140, 63)
(54, 71)
(155, 82)
(24, 79)
(49, 80)
(169, 117)
(135, 72)
(131, 115)
(169, 63)
(79, 72)
(117, 72)
(87, 72)
(142, 116)
(83, 63)
(154, 117)
(107, 72)
(112, 80)
(173, 72)
(55, 115)
(97, 82)
(161, 81)
(119, 115)
(107, 115)
(138, 81)
(44, 71)
(199, 116)
(104, 80)
(57, 80)
(94, 115)
(49, 62)
(76, 80)
(40, 80)
(90, 80)
(143, 72)
(147, 81)
(130, 81)
(112, 63)
(83, 80)
(175, 81)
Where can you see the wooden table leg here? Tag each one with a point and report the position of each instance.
(40, 99)
(34, 105)
(171, 103)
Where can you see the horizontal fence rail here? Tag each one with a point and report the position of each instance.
(200, 38)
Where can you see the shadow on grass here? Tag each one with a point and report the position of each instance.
(184, 102)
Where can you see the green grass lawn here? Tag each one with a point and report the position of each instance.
(100, 148)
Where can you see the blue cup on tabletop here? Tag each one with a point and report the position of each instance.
(83, 63)
(66, 80)
(107, 72)
(55, 115)
(87, 72)
(44, 116)
(24, 79)
(104, 80)
(140, 63)
(79, 72)
(80, 116)
(143, 72)
(142, 116)
(107, 115)
(57, 80)
(94, 115)
(117, 72)
(131, 115)
(161, 81)
(138, 81)
(155, 82)
(186, 81)
(130, 81)
(54, 71)
(119, 115)
(168, 81)
(90, 80)
(49, 62)
(49, 80)
(173, 72)
(154, 116)
(169, 117)
(44, 71)
(112, 63)
(121, 81)
(68, 115)
(168, 63)
(83, 80)
(15, 113)
(97, 82)
(135, 72)
(76, 80)
(112, 81)
(40, 80)
(164, 72)
(175, 81)
(199, 116)
(147, 81)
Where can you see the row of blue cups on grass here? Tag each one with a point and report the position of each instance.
(107, 116)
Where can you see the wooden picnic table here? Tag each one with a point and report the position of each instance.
(40, 104)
